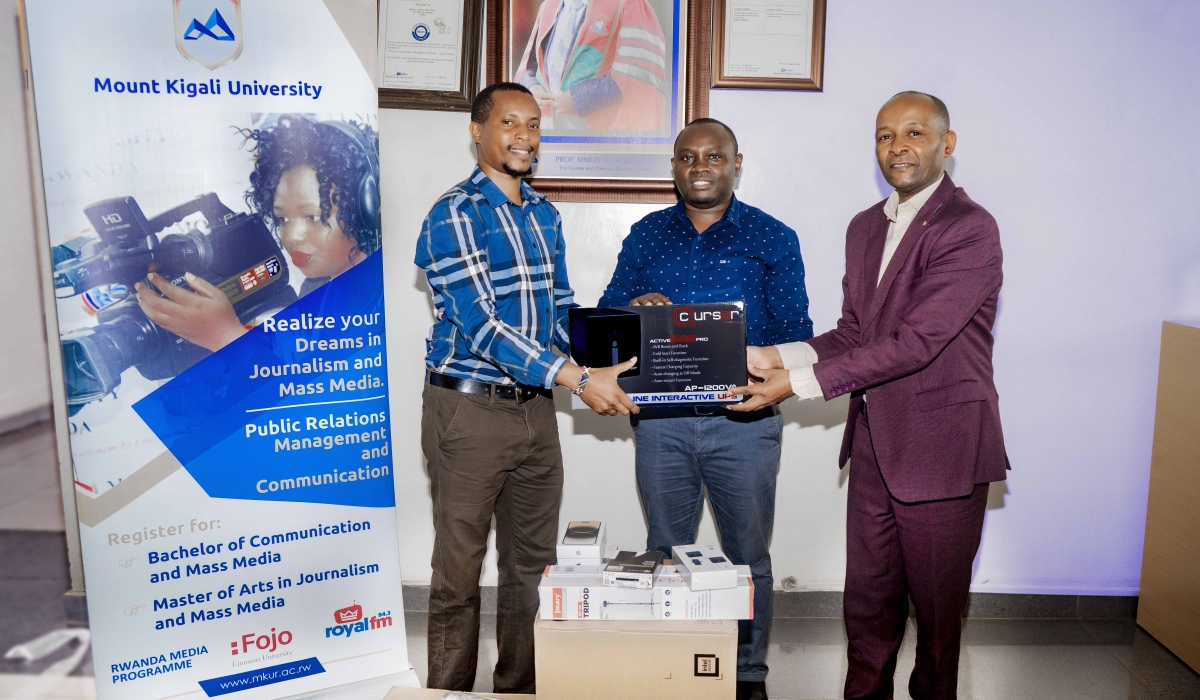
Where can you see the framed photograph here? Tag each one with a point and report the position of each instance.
(429, 53)
(768, 44)
(617, 80)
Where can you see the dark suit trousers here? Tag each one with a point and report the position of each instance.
(488, 457)
(896, 551)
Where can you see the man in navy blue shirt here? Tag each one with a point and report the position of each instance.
(710, 247)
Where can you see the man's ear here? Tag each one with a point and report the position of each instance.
(737, 165)
(476, 130)
(951, 140)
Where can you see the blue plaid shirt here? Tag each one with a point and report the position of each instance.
(498, 275)
(747, 256)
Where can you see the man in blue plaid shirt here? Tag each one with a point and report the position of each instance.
(494, 256)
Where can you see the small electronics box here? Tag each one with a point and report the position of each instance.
(630, 570)
(582, 544)
(704, 567)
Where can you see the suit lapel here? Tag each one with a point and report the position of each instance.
(915, 230)
(876, 238)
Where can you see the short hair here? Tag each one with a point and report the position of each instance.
(708, 120)
(481, 108)
(940, 111)
(340, 163)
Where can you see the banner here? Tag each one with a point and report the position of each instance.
(211, 183)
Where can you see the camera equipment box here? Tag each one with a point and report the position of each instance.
(687, 355)
(674, 600)
(636, 660)
(571, 593)
(704, 567)
(632, 570)
(583, 541)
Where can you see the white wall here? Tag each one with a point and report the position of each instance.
(24, 378)
(1074, 122)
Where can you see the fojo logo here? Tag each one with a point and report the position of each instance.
(212, 42)
(261, 642)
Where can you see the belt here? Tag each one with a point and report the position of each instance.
(518, 392)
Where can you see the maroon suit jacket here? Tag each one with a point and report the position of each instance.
(920, 347)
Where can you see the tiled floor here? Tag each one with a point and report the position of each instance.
(1003, 659)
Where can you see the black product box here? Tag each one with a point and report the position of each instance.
(687, 354)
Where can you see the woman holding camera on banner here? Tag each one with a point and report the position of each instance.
(316, 185)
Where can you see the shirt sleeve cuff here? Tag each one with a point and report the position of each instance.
(805, 384)
(555, 368)
(797, 355)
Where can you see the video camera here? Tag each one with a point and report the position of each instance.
(238, 255)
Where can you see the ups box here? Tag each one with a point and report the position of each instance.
(688, 354)
(636, 659)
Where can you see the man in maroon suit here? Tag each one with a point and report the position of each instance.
(913, 349)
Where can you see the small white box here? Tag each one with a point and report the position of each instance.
(566, 593)
(610, 551)
(582, 542)
(704, 567)
(674, 600)
(632, 570)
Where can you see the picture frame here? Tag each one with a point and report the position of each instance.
(754, 49)
(692, 43)
(470, 58)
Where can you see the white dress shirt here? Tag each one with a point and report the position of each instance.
(799, 358)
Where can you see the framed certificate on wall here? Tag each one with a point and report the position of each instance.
(768, 44)
(429, 53)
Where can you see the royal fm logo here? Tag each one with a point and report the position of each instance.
(350, 621)
(260, 642)
(211, 42)
(686, 316)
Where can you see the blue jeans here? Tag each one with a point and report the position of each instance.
(736, 457)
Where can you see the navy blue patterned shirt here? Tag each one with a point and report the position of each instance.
(747, 256)
(498, 276)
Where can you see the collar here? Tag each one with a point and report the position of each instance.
(891, 209)
(496, 197)
(733, 214)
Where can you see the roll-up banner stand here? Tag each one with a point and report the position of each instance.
(210, 177)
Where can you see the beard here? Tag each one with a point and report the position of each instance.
(513, 172)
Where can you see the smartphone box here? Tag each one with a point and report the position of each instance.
(675, 600)
(631, 570)
(579, 593)
(705, 567)
(610, 551)
(583, 542)
(636, 659)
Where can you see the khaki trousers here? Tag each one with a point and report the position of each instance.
(488, 457)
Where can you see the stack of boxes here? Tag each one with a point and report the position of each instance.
(666, 630)
(595, 582)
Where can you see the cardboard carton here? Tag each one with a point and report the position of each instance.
(705, 567)
(634, 660)
(399, 693)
